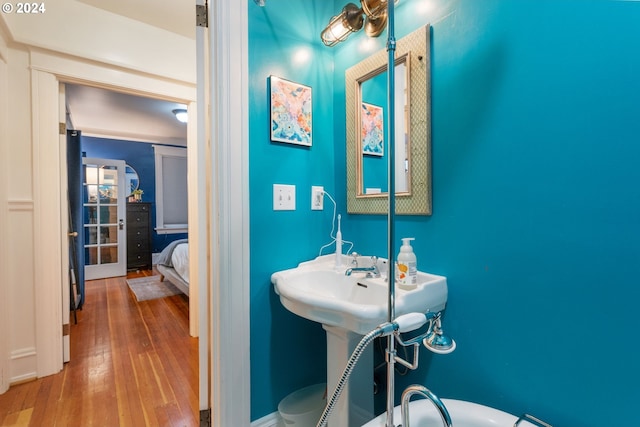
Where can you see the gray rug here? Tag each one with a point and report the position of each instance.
(150, 287)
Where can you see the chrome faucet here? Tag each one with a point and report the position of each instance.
(426, 393)
(372, 271)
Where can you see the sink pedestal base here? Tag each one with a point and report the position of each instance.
(355, 406)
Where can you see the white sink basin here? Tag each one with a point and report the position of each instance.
(317, 291)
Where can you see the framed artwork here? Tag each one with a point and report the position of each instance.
(372, 129)
(290, 112)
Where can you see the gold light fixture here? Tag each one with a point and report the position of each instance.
(372, 15)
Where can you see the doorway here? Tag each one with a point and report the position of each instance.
(100, 212)
(221, 208)
(123, 124)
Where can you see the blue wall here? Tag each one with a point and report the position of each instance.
(536, 203)
(140, 156)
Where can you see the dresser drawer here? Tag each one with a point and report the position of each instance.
(134, 218)
(138, 260)
(138, 207)
(136, 245)
(137, 232)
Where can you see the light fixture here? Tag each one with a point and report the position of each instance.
(340, 26)
(372, 15)
(181, 115)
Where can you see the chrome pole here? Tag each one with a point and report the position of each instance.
(391, 352)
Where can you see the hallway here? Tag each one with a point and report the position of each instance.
(132, 364)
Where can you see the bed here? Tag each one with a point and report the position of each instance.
(173, 264)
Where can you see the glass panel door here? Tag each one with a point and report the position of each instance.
(103, 212)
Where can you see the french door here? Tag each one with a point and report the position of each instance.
(103, 215)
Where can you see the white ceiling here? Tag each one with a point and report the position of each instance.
(108, 114)
(176, 16)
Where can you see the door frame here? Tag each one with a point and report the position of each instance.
(230, 297)
(48, 71)
(223, 221)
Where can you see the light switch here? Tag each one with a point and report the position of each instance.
(284, 197)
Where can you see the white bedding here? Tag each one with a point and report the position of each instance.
(180, 260)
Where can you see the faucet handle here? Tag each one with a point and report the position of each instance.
(355, 256)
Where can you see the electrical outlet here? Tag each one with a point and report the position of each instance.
(284, 197)
(317, 198)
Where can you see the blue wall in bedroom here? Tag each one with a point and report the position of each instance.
(140, 156)
(536, 202)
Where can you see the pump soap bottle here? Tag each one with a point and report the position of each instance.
(407, 277)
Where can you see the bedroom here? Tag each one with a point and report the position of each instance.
(146, 135)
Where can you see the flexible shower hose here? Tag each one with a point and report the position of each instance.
(357, 352)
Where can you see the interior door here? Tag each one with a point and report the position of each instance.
(103, 212)
(75, 192)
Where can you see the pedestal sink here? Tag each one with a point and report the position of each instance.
(349, 307)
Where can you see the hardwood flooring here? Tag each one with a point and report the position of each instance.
(132, 364)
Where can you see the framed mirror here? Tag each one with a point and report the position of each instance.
(366, 99)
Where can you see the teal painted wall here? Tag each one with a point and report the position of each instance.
(536, 205)
(287, 352)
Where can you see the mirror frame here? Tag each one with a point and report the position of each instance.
(418, 200)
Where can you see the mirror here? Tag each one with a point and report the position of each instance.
(367, 161)
(132, 181)
(371, 90)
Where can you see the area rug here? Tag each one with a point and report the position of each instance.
(150, 287)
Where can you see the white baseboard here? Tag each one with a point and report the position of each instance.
(271, 420)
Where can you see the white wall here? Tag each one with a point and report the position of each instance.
(19, 242)
(123, 54)
(106, 37)
(4, 315)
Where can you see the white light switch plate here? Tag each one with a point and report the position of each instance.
(284, 197)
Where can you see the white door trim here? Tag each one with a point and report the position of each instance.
(64, 219)
(230, 331)
(198, 158)
(49, 273)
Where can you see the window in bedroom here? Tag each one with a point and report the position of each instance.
(171, 189)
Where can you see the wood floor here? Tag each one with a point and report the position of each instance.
(132, 364)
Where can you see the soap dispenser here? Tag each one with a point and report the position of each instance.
(407, 277)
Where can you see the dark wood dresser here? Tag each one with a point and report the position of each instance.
(138, 236)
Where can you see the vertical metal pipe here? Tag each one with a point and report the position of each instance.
(391, 131)
(391, 49)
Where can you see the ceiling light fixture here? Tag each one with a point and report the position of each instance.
(181, 115)
(372, 15)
